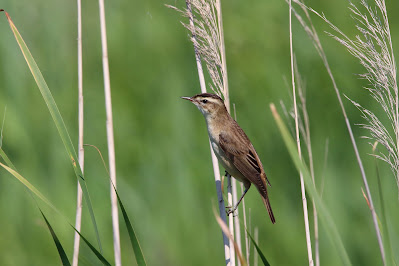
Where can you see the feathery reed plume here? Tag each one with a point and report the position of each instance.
(207, 41)
(205, 25)
(376, 55)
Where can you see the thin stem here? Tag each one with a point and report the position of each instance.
(236, 220)
(323, 56)
(110, 137)
(245, 224)
(222, 50)
(308, 143)
(304, 201)
(78, 219)
(231, 223)
(256, 255)
(216, 170)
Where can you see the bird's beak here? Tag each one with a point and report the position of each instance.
(187, 98)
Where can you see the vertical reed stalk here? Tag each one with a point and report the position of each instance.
(205, 25)
(256, 254)
(304, 201)
(110, 136)
(231, 222)
(311, 166)
(78, 219)
(236, 215)
(231, 198)
(245, 225)
(215, 163)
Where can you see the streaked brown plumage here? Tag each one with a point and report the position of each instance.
(232, 147)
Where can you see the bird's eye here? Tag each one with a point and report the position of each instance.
(204, 101)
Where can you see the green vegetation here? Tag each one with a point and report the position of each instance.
(164, 172)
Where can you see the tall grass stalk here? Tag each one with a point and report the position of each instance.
(234, 218)
(245, 225)
(304, 129)
(256, 254)
(308, 143)
(199, 53)
(298, 142)
(110, 136)
(226, 230)
(312, 33)
(231, 220)
(78, 219)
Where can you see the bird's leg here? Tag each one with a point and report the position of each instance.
(231, 210)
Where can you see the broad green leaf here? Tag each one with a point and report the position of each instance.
(324, 214)
(57, 118)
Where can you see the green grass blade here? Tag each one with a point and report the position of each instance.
(132, 235)
(30, 187)
(60, 249)
(35, 191)
(262, 257)
(7, 160)
(95, 251)
(387, 242)
(324, 215)
(57, 118)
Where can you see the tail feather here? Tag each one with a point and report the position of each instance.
(269, 208)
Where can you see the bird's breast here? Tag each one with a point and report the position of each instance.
(224, 160)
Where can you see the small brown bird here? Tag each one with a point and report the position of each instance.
(232, 147)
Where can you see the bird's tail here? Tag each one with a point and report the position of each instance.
(268, 207)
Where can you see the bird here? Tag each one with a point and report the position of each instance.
(232, 147)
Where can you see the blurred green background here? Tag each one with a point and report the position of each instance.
(164, 171)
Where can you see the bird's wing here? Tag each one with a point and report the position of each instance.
(243, 155)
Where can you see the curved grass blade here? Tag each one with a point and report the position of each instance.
(57, 118)
(95, 251)
(226, 231)
(383, 225)
(35, 191)
(6, 159)
(30, 187)
(262, 257)
(60, 249)
(325, 216)
(132, 235)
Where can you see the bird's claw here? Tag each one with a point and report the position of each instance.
(229, 210)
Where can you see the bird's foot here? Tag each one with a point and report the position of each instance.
(230, 210)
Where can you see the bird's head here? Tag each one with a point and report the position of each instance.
(209, 104)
